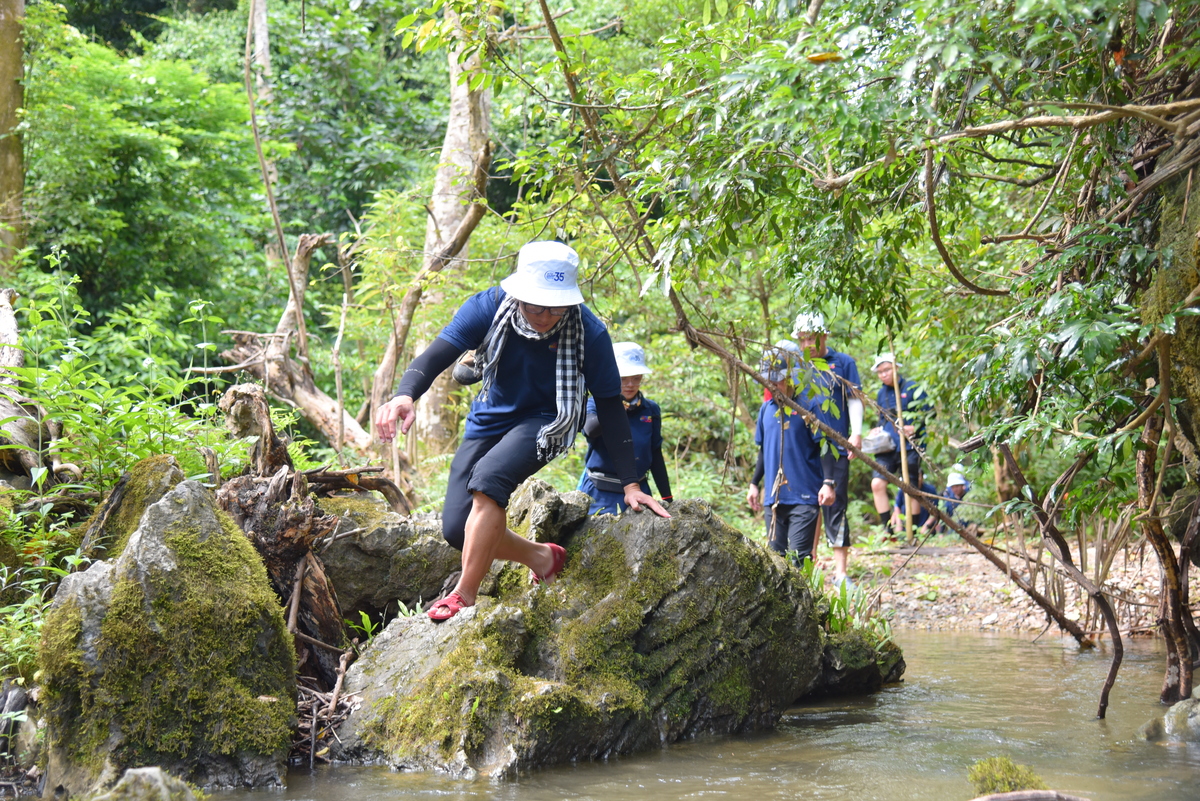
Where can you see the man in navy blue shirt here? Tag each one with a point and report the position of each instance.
(540, 351)
(834, 388)
(798, 478)
(914, 407)
(600, 479)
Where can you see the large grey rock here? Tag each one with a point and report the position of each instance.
(392, 558)
(176, 655)
(147, 784)
(656, 631)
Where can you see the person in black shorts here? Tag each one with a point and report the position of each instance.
(540, 351)
(915, 407)
(835, 387)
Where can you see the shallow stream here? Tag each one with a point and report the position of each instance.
(965, 697)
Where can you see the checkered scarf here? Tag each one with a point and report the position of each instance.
(557, 436)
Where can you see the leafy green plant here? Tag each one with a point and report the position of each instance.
(366, 626)
(849, 607)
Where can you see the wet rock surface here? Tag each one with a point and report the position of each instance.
(147, 784)
(656, 631)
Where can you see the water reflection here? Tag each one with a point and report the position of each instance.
(965, 697)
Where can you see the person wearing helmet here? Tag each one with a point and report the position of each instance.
(915, 407)
(835, 389)
(539, 351)
(799, 478)
(600, 479)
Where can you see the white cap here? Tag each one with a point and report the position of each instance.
(955, 479)
(883, 358)
(631, 359)
(788, 345)
(809, 322)
(547, 275)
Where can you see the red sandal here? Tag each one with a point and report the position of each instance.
(447, 608)
(560, 561)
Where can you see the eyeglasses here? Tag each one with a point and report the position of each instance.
(555, 311)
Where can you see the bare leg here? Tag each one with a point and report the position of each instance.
(488, 539)
(841, 556)
(880, 493)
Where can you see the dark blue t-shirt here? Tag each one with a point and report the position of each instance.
(801, 456)
(645, 423)
(828, 396)
(525, 384)
(914, 404)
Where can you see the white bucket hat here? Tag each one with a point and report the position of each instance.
(631, 359)
(809, 322)
(547, 274)
(955, 479)
(883, 358)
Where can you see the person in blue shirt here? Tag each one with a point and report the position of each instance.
(539, 351)
(920, 513)
(798, 478)
(834, 389)
(915, 408)
(600, 479)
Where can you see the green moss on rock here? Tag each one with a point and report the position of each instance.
(643, 640)
(187, 663)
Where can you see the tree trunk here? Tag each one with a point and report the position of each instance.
(12, 162)
(461, 178)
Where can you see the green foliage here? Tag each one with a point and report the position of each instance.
(1002, 775)
(846, 607)
(114, 422)
(138, 167)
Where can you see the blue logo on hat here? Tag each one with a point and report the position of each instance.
(555, 275)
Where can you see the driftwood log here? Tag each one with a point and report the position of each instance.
(268, 357)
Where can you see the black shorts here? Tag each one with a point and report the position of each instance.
(795, 527)
(891, 462)
(837, 527)
(495, 466)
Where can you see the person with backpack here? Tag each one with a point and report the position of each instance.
(539, 350)
(600, 479)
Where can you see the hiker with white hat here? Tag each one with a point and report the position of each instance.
(798, 477)
(914, 407)
(540, 351)
(957, 486)
(600, 479)
(836, 387)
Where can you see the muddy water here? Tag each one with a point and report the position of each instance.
(965, 697)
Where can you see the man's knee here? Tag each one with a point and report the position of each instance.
(878, 484)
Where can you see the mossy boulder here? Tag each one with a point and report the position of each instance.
(147, 784)
(142, 485)
(853, 663)
(657, 630)
(175, 654)
(391, 558)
